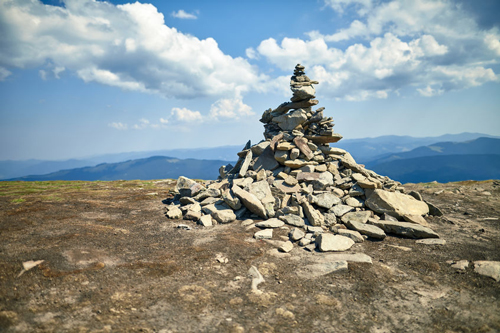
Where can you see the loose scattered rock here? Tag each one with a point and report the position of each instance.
(488, 268)
(336, 243)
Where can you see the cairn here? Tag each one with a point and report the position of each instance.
(294, 177)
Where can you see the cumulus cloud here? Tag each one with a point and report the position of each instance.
(127, 46)
(119, 126)
(227, 108)
(185, 115)
(143, 123)
(430, 46)
(182, 14)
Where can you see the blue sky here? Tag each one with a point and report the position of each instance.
(81, 77)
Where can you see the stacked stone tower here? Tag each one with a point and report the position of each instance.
(294, 177)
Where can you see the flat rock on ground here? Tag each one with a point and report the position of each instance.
(112, 261)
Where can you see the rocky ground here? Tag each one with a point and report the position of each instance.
(113, 262)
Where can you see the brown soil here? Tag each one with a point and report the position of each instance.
(114, 262)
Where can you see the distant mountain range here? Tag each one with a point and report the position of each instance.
(407, 159)
(156, 167)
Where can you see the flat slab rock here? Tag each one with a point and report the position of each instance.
(271, 223)
(315, 270)
(488, 268)
(396, 204)
(264, 234)
(405, 229)
(335, 243)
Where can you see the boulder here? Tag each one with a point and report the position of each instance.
(205, 220)
(488, 268)
(250, 201)
(405, 229)
(366, 229)
(340, 209)
(352, 234)
(271, 223)
(264, 234)
(292, 219)
(396, 204)
(174, 213)
(188, 187)
(301, 143)
(296, 234)
(259, 148)
(231, 200)
(224, 215)
(326, 200)
(336, 243)
(266, 160)
(361, 217)
(289, 121)
(313, 215)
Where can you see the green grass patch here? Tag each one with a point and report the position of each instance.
(18, 200)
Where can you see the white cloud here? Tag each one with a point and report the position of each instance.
(4, 73)
(119, 126)
(143, 123)
(429, 46)
(186, 115)
(230, 108)
(127, 46)
(43, 74)
(429, 91)
(182, 14)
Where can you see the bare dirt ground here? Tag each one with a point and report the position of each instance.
(114, 262)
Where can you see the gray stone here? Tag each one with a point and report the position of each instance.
(326, 200)
(292, 219)
(301, 143)
(210, 201)
(307, 176)
(340, 209)
(186, 201)
(291, 181)
(231, 200)
(259, 148)
(303, 92)
(285, 188)
(296, 234)
(286, 247)
(285, 145)
(264, 234)
(266, 160)
(431, 241)
(294, 153)
(320, 167)
(361, 216)
(330, 219)
(356, 191)
(352, 234)
(355, 202)
(307, 168)
(313, 215)
(460, 265)
(349, 257)
(243, 182)
(192, 215)
(314, 230)
(488, 268)
(298, 163)
(336, 243)
(387, 217)
(205, 220)
(250, 201)
(271, 223)
(246, 164)
(405, 229)
(188, 187)
(416, 219)
(305, 241)
(396, 204)
(416, 195)
(289, 121)
(208, 193)
(366, 229)
(325, 179)
(257, 278)
(174, 213)
(434, 210)
(224, 215)
(281, 156)
(316, 270)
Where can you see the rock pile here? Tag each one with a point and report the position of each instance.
(294, 177)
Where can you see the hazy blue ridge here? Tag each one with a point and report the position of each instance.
(368, 149)
(447, 168)
(479, 146)
(156, 167)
